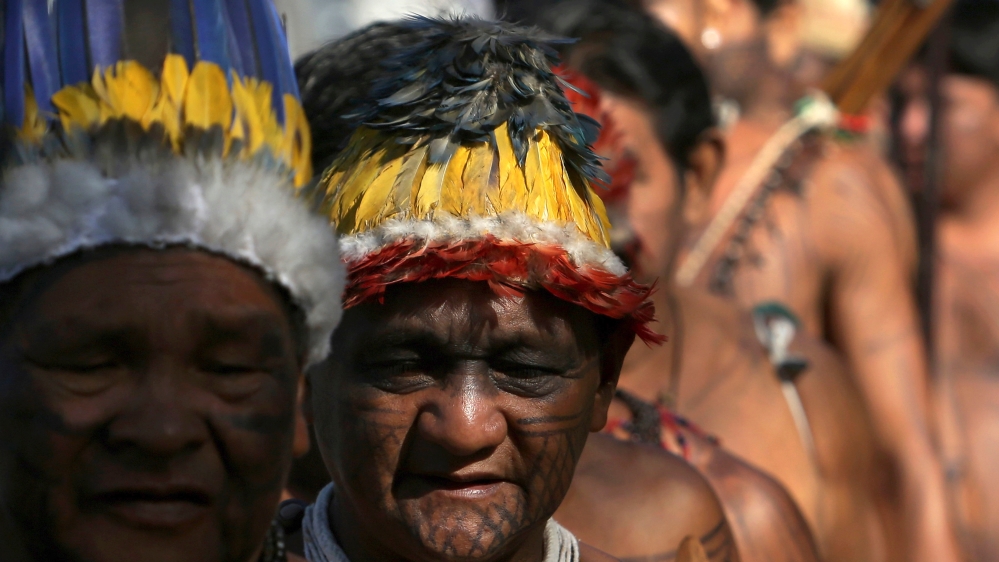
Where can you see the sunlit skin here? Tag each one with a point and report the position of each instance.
(967, 312)
(453, 418)
(841, 255)
(720, 388)
(150, 401)
(639, 502)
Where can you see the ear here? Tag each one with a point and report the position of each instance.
(704, 163)
(300, 443)
(716, 13)
(783, 32)
(612, 356)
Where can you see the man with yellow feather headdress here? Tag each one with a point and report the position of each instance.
(161, 287)
(485, 316)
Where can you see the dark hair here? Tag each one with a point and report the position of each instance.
(629, 53)
(974, 48)
(337, 77)
(766, 6)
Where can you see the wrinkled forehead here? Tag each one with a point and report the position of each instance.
(117, 288)
(458, 312)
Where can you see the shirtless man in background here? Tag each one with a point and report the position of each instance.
(664, 155)
(967, 298)
(839, 251)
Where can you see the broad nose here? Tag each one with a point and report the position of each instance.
(464, 418)
(159, 420)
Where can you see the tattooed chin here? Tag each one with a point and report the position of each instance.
(465, 529)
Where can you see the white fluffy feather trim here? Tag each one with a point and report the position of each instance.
(509, 226)
(51, 209)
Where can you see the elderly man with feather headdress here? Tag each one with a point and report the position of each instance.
(486, 317)
(162, 289)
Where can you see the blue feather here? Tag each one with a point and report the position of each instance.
(72, 42)
(268, 47)
(104, 28)
(235, 55)
(289, 84)
(182, 30)
(42, 58)
(13, 63)
(210, 30)
(242, 35)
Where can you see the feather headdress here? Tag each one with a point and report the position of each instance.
(160, 122)
(466, 160)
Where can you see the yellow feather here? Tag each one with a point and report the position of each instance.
(169, 104)
(374, 204)
(327, 184)
(78, 106)
(428, 195)
(173, 79)
(345, 192)
(414, 166)
(512, 185)
(578, 208)
(100, 88)
(476, 180)
(364, 174)
(600, 224)
(207, 102)
(33, 128)
(537, 191)
(201, 98)
(237, 132)
(129, 90)
(298, 141)
(552, 160)
(245, 115)
(454, 192)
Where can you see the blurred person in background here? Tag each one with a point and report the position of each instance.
(664, 157)
(967, 261)
(663, 499)
(162, 290)
(834, 245)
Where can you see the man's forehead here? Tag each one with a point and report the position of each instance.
(102, 294)
(449, 313)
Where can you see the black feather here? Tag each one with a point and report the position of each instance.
(422, 79)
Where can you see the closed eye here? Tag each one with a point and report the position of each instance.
(82, 367)
(403, 375)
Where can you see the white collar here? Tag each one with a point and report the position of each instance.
(321, 545)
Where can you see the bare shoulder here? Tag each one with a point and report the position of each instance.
(767, 525)
(589, 554)
(638, 501)
(295, 558)
(853, 189)
(655, 475)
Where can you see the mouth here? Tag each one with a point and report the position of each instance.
(154, 508)
(460, 487)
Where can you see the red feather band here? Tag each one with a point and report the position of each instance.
(509, 267)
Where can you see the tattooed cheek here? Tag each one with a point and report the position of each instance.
(558, 452)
